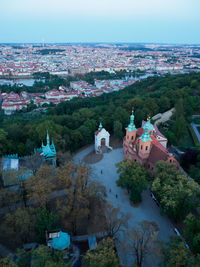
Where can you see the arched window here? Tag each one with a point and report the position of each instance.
(141, 147)
(127, 136)
(146, 147)
(131, 137)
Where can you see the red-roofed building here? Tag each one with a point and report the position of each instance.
(146, 145)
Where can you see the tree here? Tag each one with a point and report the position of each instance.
(116, 221)
(180, 127)
(8, 262)
(164, 104)
(3, 141)
(133, 177)
(177, 194)
(20, 224)
(103, 256)
(139, 117)
(143, 241)
(177, 255)
(121, 115)
(179, 109)
(40, 186)
(45, 220)
(192, 231)
(74, 207)
(151, 107)
(117, 127)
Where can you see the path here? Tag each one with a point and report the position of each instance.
(163, 117)
(4, 251)
(147, 210)
(195, 128)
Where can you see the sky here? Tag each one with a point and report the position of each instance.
(138, 21)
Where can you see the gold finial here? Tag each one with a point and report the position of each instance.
(132, 110)
(148, 117)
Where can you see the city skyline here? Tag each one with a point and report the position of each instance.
(108, 21)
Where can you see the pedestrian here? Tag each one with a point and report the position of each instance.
(101, 171)
(116, 195)
(110, 190)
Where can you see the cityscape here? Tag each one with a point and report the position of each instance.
(100, 133)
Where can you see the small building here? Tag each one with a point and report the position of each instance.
(102, 139)
(58, 240)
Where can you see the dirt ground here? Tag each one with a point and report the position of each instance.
(92, 158)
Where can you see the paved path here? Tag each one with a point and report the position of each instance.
(194, 126)
(4, 251)
(163, 117)
(147, 210)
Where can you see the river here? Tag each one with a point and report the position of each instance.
(26, 82)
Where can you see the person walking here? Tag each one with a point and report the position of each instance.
(101, 171)
(110, 190)
(116, 196)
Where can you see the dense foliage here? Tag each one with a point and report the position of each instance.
(133, 177)
(176, 193)
(73, 123)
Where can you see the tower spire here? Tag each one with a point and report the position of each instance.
(48, 142)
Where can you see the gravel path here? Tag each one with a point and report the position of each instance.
(147, 210)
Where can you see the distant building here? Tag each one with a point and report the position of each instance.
(146, 145)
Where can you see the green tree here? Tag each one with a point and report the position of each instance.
(179, 109)
(20, 224)
(117, 127)
(45, 220)
(177, 193)
(133, 177)
(103, 256)
(179, 128)
(177, 255)
(3, 141)
(192, 231)
(121, 115)
(8, 262)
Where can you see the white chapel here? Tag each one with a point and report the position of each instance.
(102, 139)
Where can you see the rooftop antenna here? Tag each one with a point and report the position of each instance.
(42, 42)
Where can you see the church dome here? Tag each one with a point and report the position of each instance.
(149, 126)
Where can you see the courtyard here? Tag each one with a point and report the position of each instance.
(104, 171)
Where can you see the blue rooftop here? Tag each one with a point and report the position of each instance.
(61, 242)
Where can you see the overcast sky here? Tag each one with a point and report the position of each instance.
(160, 21)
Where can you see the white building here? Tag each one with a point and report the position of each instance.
(102, 139)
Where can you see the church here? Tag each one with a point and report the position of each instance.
(146, 145)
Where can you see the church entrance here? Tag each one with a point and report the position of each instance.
(103, 142)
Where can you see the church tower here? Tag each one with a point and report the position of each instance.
(131, 130)
(144, 147)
